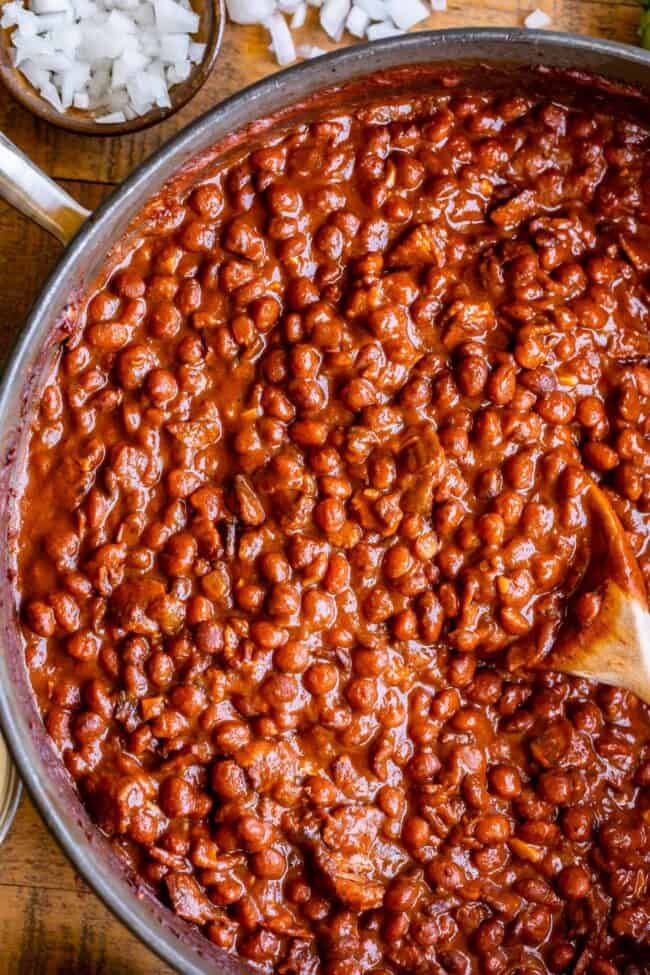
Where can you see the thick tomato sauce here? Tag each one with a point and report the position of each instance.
(305, 513)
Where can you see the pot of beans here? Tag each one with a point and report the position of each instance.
(298, 441)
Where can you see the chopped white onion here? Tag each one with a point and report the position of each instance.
(49, 6)
(250, 11)
(86, 8)
(144, 16)
(376, 9)
(53, 62)
(333, 15)
(537, 20)
(299, 16)
(120, 22)
(51, 95)
(66, 38)
(133, 51)
(29, 47)
(124, 67)
(72, 81)
(386, 28)
(372, 19)
(139, 95)
(173, 18)
(29, 26)
(35, 75)
(406, 13)
(308, 51)
(47, 23)
(176, 73)
(281, 39)
(149, 43)
(12, 13)
(107, 56)
(174, 48)
(196, 52)
(357, 22)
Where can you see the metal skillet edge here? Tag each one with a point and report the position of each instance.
(42, 771)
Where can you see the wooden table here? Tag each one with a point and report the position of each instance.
(50, 922)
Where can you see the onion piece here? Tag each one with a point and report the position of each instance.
(86, 8)
(299, 16)
(357, 22)
(144, 16)
(66, 38)
(28, 47)
(173, 18)
(126, 66)
(386, 28)
(98, 45)
(250, 11)
(333, 14)
(49, 6)
(118, 21)
(178, 72)
(12, 13)
(71, 81)
(376, 9)
(46, 23)
(196, 52)
(308, 51)
(281, 39)
(174, 48)
(53, 61)
(35, 75)
(51, 95)
(537, 20)
(406, 13)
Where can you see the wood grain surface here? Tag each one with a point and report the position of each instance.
(50, 922)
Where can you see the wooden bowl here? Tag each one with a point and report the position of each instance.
(212, 18)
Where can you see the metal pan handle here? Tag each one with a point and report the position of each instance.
(28, 189)
(10, 790)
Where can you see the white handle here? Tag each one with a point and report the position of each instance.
(28, 189)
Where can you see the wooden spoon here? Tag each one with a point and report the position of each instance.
(615, 647)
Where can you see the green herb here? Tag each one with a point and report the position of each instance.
(644, 24)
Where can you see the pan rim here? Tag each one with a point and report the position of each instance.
(111, 888)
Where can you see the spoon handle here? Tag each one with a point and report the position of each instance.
(28, 189)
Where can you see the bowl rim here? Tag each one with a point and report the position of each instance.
(22, 91)
(174, 944)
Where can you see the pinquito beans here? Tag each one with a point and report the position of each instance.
(306, 508)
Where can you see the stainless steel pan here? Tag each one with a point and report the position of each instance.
(89, 239)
